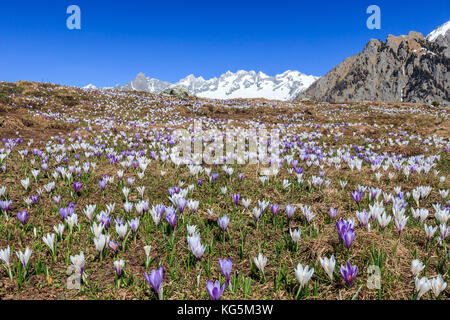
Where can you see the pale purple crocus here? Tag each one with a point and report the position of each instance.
(35, 198)
(5, 206)
(134, 225)
(333, 213)
(235, 197)
(171, 216)
(155, 279)
(22, 216)
(57, 199)
(290, 210)
(223, 222)
(102, 184)
(225, 267)
(274, 208)
(118, 266)
(64, 212)
(214, 290)
(113, 245)
(181, 204)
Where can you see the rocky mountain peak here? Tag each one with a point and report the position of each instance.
(407, 68)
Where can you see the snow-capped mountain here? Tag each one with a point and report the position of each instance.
(439, 31)
(242, 84)
(142, 83)
(90, 86)
(248, 84)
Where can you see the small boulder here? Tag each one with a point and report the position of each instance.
(178, 92)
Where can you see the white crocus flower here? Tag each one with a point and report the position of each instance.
(121, 230)
(423, 285)
(328, 265)
(59, 229)
(303, 275)
(78, 261)
(100, 242)
(430, 231)
(97, 229)
(72, 221)
(416, 267)
(384, 220)
(438, 285)
(24, 257)
(260, 262)
(147, 250)
(246, 203)
(126, 192)
(25, 183)
(49, 240)
(295, 235)
(89, 211)
(5, 255)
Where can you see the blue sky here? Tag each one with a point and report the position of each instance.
(170, 39)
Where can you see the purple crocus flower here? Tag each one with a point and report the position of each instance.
(113, 245)
(77, 186)
(274, 208)
(105, 220)
(200, 182)
(298, 170)
(290, 210)
(35, 198)
(346, 231)
(181, 204)
(5, 205)
(134, 224)
(214, 176)
(333, 213)
(225, 268)
(171, 191)
(22, 216)
(64, 212)
(214, 290)
(56, 199)
(241, 176)
(357, 195)
(349, 236)
(171, 216)
(223, 222)
(155, 279)
(160, 209)
(118, 221)
(102, 184)
(342, 227)
(235, 197)
(349, 273)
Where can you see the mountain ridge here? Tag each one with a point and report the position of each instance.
(406, 68)
(229, 85)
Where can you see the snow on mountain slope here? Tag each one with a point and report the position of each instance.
(441, 30)
(142, 83)
(242, 84)
(248, 84)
